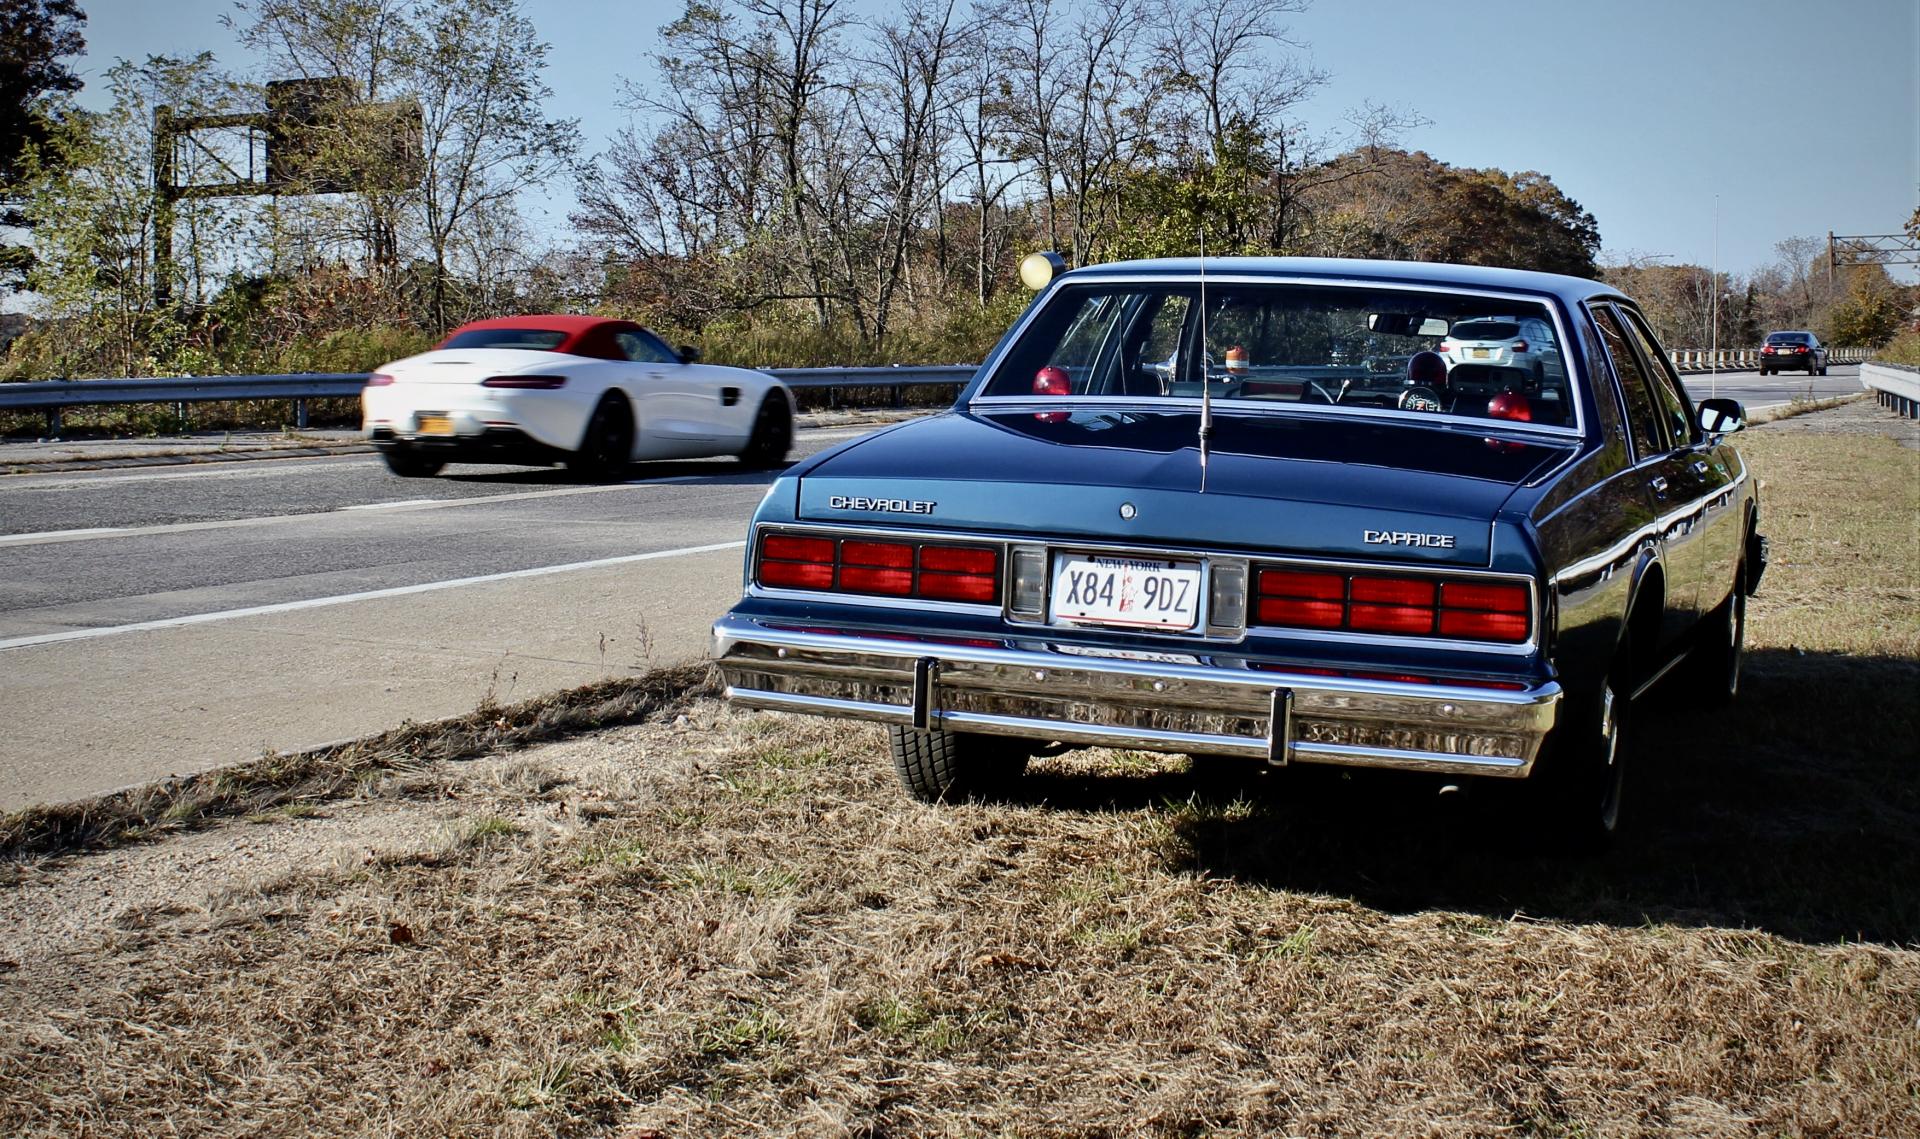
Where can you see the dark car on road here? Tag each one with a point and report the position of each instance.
(1172, 512)
(1795, 351)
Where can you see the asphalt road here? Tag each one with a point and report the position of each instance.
(170, 619)
(1757, 392)
(164, 620)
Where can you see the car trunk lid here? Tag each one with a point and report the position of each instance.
(1311, 485)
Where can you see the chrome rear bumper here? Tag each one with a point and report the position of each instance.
(1047, 696)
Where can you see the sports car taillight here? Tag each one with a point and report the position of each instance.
(534, 383)
(935, 571)
(1403, 606)
(379, 380)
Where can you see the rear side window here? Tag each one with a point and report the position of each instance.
(1667, 391)
(644, 349)
(536, 339)
(1643, 420)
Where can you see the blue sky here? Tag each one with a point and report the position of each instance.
(1798, 117)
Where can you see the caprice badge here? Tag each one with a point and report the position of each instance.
(880, 505)
(1405, 538)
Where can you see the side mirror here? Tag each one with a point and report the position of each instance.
(688, 354)
(1720, 416)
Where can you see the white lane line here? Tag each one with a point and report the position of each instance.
(348, 598)
(60, 535)
(388, 505)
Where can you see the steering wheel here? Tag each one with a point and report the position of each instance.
(1420, 399)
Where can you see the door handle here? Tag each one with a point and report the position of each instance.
(1659, 485)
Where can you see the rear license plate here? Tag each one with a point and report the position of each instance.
(436, 425)
(1481, 353)
(1140, 593)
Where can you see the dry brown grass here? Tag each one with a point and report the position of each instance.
(736, 924)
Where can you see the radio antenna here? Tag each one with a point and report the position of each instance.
(1206, 381)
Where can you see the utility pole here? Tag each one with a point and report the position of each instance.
(165, 191)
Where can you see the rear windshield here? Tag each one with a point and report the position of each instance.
(1335, 347)
(538, 339)
(1485, 330)
(1787, 338)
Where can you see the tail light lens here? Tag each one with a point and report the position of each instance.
(1519, 347)
(379, 380)
(935, 571)
(532, 383)
(1401, 606)
(1446, 346)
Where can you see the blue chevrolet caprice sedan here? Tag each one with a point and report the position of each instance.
(1249, 507)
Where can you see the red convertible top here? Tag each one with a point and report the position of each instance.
(590, 336)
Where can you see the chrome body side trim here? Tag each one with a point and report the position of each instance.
(1276, 717)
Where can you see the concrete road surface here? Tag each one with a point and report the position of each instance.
(172, 619)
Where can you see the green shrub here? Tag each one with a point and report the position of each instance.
(1902, 349)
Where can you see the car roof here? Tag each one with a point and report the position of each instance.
(555, 322)
(1569, 289)
(589, 336)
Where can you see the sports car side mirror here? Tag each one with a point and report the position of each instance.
(1720, 416)
(688, 354)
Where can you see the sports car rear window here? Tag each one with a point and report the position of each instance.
(537, 339)
(1337, 347)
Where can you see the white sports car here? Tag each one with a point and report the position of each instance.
(593, 393)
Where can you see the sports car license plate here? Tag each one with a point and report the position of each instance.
(436, 425)
(1480, 353)
(1141, 593)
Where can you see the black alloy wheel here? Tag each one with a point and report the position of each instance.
(411, 464)
(772, 434)
(606, 450)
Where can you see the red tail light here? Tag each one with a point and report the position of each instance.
(1767, 351)
(1519, 347)
(1801, 350)
(379, 380)
(938, 572)
(1446, 346)
(533, 383)
(1402, 606)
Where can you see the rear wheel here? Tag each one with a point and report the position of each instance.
(1712, 667)
(772, 434)
(606, 450)
(411, 464)
(935, 765)
(1573, 796)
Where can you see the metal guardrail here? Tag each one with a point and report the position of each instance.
(1896, 385)
(1746, 359)
(51, 396)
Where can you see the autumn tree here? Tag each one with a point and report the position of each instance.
(36, 38)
